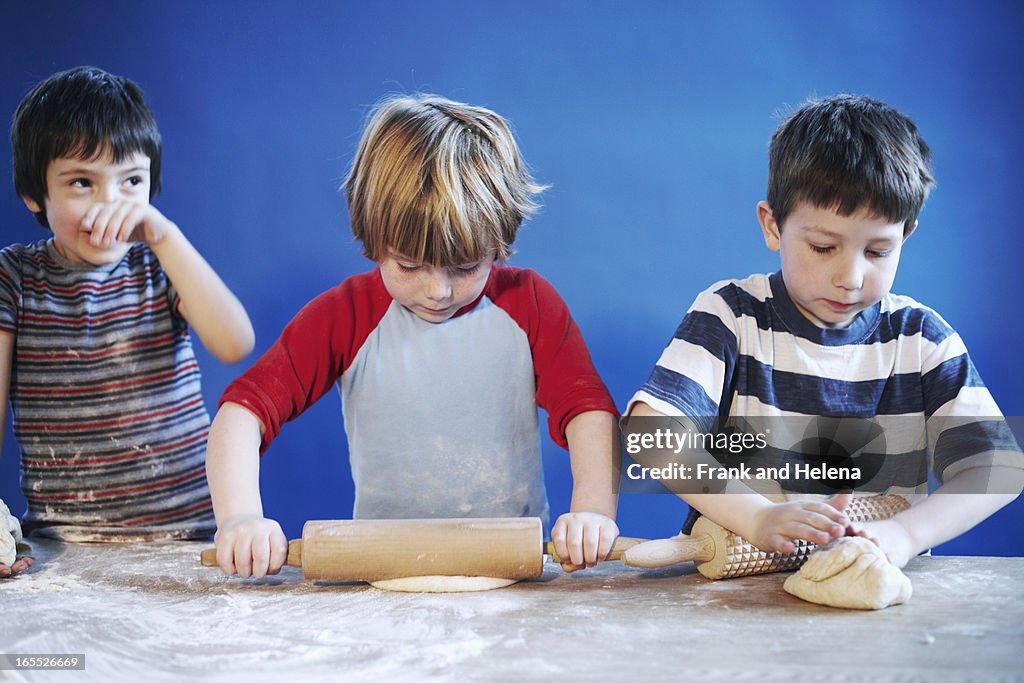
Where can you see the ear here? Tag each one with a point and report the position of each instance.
(909, 232)
(32, 205)
(769, 227)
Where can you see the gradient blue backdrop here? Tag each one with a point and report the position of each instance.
(649, 120)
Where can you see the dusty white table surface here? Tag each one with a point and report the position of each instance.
(150, 612)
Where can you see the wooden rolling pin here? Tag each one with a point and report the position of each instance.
(380, 549)
(721, 554)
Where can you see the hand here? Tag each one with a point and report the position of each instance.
(20, 565)
(889, 535)
(777, 526)
(582, 539)
(250, 546)
(125, 221)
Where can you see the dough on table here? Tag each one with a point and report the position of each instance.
(10, 535)
(850, 572)
(442, 584)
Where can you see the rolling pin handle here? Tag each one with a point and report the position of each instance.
(209, 556)
(668, 551)
(619, 548)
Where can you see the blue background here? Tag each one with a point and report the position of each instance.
(650, 121)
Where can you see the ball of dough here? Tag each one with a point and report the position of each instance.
(9, 522)
(10, 535)
(442, 584)
(8, 548)
(850, 572)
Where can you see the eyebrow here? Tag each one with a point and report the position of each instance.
(818, 230)
(80, 170)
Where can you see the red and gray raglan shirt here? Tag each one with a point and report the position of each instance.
(441, 418)
(105, 397)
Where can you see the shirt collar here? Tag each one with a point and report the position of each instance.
(854, 333)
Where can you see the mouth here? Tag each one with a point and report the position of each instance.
(436, 311)
(838, 306)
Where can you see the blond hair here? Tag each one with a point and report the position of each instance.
(438, 182)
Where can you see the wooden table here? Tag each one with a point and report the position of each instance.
(149, 612)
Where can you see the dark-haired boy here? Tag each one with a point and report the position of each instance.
(848, 176)
(95, 351)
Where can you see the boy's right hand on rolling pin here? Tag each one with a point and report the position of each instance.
(777, 525)
(582, 539)
(250, 546)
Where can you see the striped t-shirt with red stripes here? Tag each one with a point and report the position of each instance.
(105, 396)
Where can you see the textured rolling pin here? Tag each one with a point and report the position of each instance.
(721, 554)
(380, 549)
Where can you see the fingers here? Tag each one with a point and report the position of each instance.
(862, 533)
(110, 222)
(260, 557)
(840, 501)
(583, 539)
(567, 537)
(607, 536)
(278, 553)
(778, 543)
(833, 508)
(591, 545)
(558, 532)
(251, 548)
(803, 531)
(824, 517)
(811, 521)
(20, 565)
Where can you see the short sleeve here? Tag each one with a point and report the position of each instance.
(173, 299)
(694, 373)
(567, 382)
(314, 349)
(965, 426)
(10, 288)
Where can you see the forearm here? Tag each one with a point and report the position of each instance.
(215, 314)
(6, 358)
(957, 506)
(733, 505)
(592, 445)
(729, 502)
(232, 464)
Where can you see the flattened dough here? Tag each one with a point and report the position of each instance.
(850, 572)
(10, 535)
(442, 584)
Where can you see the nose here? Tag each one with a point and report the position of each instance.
(439, 285)
(107, 192)
(849, 274)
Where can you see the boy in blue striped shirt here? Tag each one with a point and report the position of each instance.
(824, 337)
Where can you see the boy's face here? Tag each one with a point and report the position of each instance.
(74, 185)
(433, 294)
(834, 266)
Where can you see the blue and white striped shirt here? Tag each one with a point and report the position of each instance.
(743, 350)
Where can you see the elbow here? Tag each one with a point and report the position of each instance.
(238, 347)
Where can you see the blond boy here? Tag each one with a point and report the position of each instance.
(441, 353)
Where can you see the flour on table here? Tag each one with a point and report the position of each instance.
(850, 572)
(442, 584)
